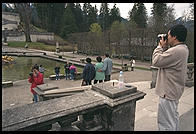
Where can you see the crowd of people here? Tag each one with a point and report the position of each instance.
(99, 72)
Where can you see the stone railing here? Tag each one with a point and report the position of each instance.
(190, 73)
(189, 81)
(102, 107)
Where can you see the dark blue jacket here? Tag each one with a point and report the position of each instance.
(89, 72)
(57, 70)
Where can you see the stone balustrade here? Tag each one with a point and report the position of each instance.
(190, 73)
(102, 107)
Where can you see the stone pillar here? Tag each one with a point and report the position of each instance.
(57, 47)
(5, 35)
(119, 114)
(154, 76)
(190, 81)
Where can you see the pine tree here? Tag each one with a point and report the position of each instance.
(104, 16)
(79, 17)
(159, 11)
(68, 23)
(115, 14)
(92, 15)
(139, 15)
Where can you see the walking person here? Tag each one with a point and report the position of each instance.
(66, 68)
(99, 76)
(88, 72)
(35, 78)
(57, 71)
(73, 71)
(132, 64)
(107, 67)
(172, 64)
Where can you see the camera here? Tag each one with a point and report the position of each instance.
(160, 36)
(31, 74)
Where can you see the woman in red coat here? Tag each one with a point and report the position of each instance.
(36, 78)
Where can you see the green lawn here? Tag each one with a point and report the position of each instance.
(38, 45)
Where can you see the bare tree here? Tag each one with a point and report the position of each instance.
(25, 12)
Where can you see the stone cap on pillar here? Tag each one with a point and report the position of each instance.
(46, 87)
(111, 89)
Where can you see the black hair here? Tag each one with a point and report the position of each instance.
(99, 59)
(35, 67)
(106, 54)
(88, 60)
(180, 31)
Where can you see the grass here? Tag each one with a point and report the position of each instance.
(38, 45)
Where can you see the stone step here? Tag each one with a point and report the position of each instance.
(7, 84)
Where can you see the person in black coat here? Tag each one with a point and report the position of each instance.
(88, 72)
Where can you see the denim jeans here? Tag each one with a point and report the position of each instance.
(57, 76)
(66, 75)
(35, 97)
(72, 76)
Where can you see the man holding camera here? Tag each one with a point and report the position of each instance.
(170, 57)
(36, 78)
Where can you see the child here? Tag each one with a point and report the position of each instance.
(73, 71)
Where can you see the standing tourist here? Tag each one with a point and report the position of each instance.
(132, 64)
(172, 64)
(73, 71)
(107, 67)
(57, 71)
(36, 78)
(88, 72)
(66, 68)
(99, 76)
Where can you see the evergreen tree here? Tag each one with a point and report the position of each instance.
(85, 17)
(170, 14)
(139, 15)
(79, 17)
(92, 15)
(104, 16)
(159, 11)
(115, 14)
(68, 23)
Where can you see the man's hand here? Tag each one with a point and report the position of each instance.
(163, 43)
(99, 70)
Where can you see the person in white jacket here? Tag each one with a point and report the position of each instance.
(132, 64)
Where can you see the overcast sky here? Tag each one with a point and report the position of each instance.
(126, 7)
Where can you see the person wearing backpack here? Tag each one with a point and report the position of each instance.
(88, 72)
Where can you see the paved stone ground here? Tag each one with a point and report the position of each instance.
(146, 109)
(20, 93)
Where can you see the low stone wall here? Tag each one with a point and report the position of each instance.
(34, 37)
(7, 84)
(98, 111)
